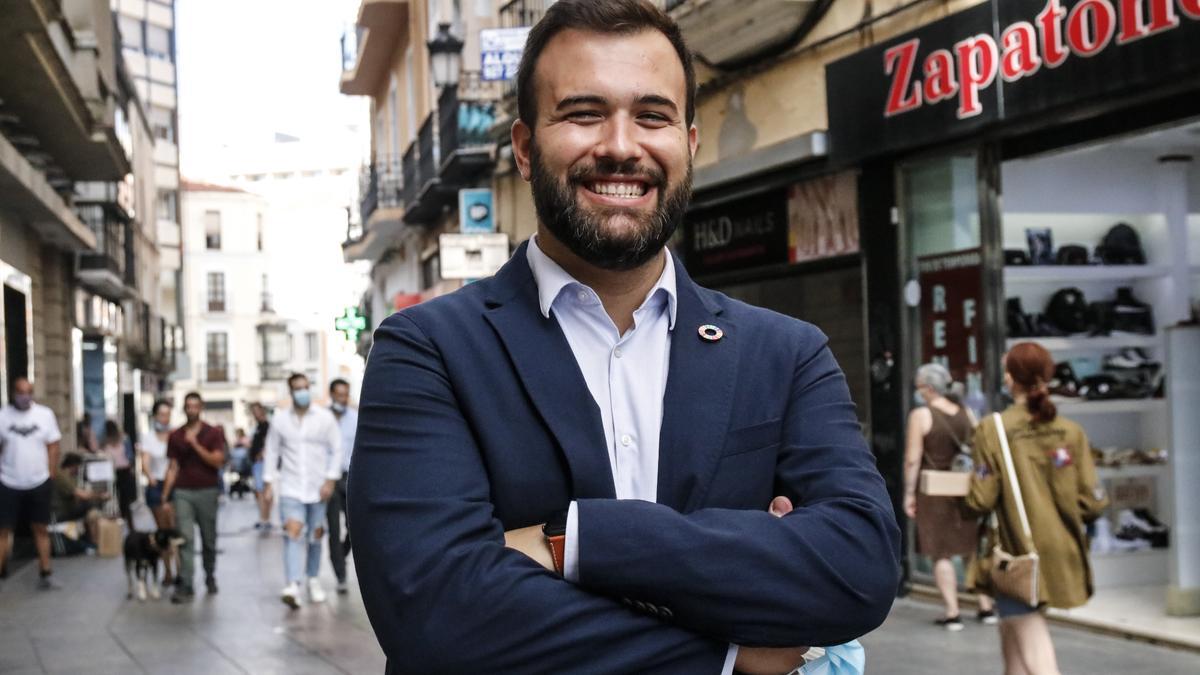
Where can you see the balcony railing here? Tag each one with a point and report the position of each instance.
(273, 372)
(428, 154)
(424, 186)
(217, 373)
(519, 13)
(409, 171)
(465, 136)
(107, 269)
(380, 186)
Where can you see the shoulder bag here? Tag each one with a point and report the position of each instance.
(1015, 575)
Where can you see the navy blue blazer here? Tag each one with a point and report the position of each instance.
(475, 419)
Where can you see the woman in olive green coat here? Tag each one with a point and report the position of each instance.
(1057, 477)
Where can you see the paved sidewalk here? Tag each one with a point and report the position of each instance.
(89, 626)
(909, 643)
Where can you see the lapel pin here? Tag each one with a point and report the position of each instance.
(711, 333)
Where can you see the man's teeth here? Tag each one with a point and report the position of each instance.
(628, 190)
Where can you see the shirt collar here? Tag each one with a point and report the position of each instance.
(552, 279)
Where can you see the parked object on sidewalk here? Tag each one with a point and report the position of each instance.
(108, 544)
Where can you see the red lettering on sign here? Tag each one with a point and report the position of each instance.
(1133, 20)
(1191, 8)
(899, 62)
(1049, 25)
(978, 61)
(1090, 26)
(939, 76)
(1020, 52)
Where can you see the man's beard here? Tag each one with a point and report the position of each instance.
(583, 230)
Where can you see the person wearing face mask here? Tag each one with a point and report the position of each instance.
(29, 445)
(303, 461)
(939, 429)
(347, 419)
(152, 448)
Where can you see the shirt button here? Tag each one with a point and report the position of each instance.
(626, 440)
(617, 352)
(582, 295)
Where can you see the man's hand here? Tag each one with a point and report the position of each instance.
(327, 490)
(168, 508)
(769, 660)
(532, 542)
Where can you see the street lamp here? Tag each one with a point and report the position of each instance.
(445, 52)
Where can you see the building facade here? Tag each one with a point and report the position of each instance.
(78, 242)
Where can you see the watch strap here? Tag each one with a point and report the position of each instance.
(558, 551)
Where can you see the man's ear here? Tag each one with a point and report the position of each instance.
(693, 140)
(522, 137)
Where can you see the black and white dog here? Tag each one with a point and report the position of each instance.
(143, 550)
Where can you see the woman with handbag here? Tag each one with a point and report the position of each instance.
(937, 433)
(1034, 468)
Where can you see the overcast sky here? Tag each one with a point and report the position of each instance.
(251, 68)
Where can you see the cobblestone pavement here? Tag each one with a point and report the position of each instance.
(89, 627)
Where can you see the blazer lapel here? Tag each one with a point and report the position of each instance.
(698, 399)
(551, 376)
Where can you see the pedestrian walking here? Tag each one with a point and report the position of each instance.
(347, 419)
(1048, 464)
(262, 424)
(191, 491)
(305, 444)
(29, 447)
(938, 431)
(152, 445)
(113, 448)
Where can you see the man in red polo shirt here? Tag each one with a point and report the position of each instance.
(197, 453)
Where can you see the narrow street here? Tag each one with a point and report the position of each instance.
(89, 626)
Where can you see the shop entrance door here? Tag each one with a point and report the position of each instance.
(945, 211)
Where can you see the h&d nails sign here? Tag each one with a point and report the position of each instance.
(1005, 59)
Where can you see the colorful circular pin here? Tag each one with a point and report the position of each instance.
(711, 333)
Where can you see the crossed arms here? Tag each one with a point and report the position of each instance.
(445, 595)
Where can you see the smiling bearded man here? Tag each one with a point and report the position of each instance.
(588, 463)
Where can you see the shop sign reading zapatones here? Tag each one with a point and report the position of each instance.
(1005, 59)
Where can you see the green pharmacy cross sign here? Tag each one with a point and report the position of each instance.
(351, 323)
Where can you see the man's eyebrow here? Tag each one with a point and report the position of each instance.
(584, 99)
(655, 99)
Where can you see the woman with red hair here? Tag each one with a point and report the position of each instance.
(1053, 468)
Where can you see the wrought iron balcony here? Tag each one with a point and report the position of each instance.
(464, 133)
(218, 373)
(107, 270)
(428, 194)
(380, 188)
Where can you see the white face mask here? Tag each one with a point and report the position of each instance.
(918, 399)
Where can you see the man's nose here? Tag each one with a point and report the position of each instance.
(620, 141)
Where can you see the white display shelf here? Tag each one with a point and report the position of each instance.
(1080, 344)
(1132, 471)
(1071, 406)
(1129, 555)
(1082, 273)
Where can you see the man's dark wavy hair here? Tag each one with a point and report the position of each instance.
(613, 17)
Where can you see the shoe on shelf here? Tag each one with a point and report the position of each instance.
(342, 587)
(210, 585)
(1102, 538)
(291, 595)
(48, 584)
(316, 594)
(951, 623)
(988, 618)
(182, 595)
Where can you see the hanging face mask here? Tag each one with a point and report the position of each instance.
(160, 427)
(22, 401)
(918, 399)
(337, 407)
(302, 397)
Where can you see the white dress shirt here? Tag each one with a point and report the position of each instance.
(347, 427)
(311, 449)
(626, 375)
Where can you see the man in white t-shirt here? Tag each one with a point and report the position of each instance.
(29, 438)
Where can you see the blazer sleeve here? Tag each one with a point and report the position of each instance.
(824, 574)
(441, 590)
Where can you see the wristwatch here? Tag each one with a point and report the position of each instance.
(555, 532)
